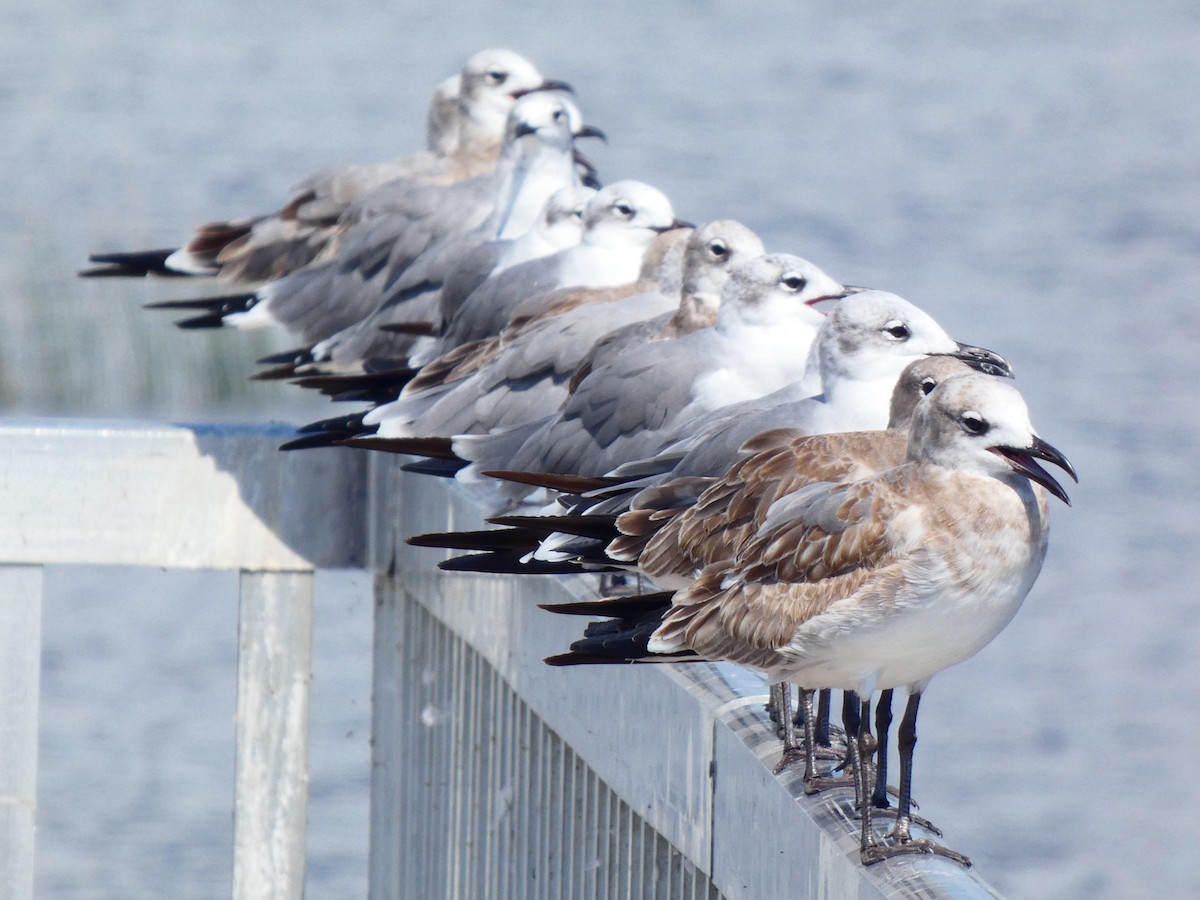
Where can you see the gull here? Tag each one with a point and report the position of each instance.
(393, 226)
(464, 130)
(624, 409)
(861, 349)
(529, 373)
(533, 355)
(871, 584)
(620, 221)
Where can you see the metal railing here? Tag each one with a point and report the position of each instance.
(493, 775)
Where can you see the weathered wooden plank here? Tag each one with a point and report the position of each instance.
(274, 679)
(20, 675)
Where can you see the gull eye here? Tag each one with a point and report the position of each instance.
(496, 76)
(717, 248)
(928, 383)
(794, 282)
(560, 115)
(897, 330)
(624, 210)
(973, 423)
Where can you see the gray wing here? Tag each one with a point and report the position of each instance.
(486, 310)
(619, 412)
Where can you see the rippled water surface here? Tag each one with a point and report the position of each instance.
(1025, 171)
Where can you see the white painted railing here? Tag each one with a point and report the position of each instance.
(493, 775)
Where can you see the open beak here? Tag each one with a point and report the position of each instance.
(1022, 459)
(982, 360)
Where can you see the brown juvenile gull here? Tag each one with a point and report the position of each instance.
(872, 584)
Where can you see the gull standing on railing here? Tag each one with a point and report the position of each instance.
(872, 584)
(464, 130)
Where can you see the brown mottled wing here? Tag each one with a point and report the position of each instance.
(816, 550)
(730, 512)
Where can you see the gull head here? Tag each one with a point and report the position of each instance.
(492, 80)
(978, 423)
(921, 377)
(712, 252)
(873, 335)
(547, 118)
(775, 288)
(627, 214)
(561, 222)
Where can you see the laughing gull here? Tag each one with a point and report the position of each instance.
(871, 584)
(464, 129)
(625, 408)
(620, 222)
(530, 367)
(394, 225)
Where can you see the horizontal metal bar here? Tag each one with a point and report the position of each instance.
(182, 496)
(687, 749)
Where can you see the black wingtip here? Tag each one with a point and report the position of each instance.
(132, 265)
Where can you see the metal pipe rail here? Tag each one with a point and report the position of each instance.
(493, 775)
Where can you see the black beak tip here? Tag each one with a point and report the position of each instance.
(984, 360)
(593, 132)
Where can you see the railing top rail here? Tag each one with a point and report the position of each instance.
(182, 496)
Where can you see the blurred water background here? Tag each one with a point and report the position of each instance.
(1025, 171)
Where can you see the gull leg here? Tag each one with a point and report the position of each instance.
(781, 700)
(863, 749)
(850, 721)
(905, 843)
(822, 727)
(883, 723)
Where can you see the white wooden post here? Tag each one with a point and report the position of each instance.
(274, 677)
(20, 673)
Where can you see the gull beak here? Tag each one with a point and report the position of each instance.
(982, 360)
(588, 174)
(523, 129)
(591, 131)
(826, 303)
(1022, 460)
(675, 223)
(550, 84)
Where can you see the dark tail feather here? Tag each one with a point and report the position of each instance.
(613, 607)
(438, 468)
(506, 563)
(132, 265)
(328, 432)
(490, 539)
(577, 658)
(623, 639)
(387, 383)
(215, 309)
(283, 365)
(433, 447)
(598, 527)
